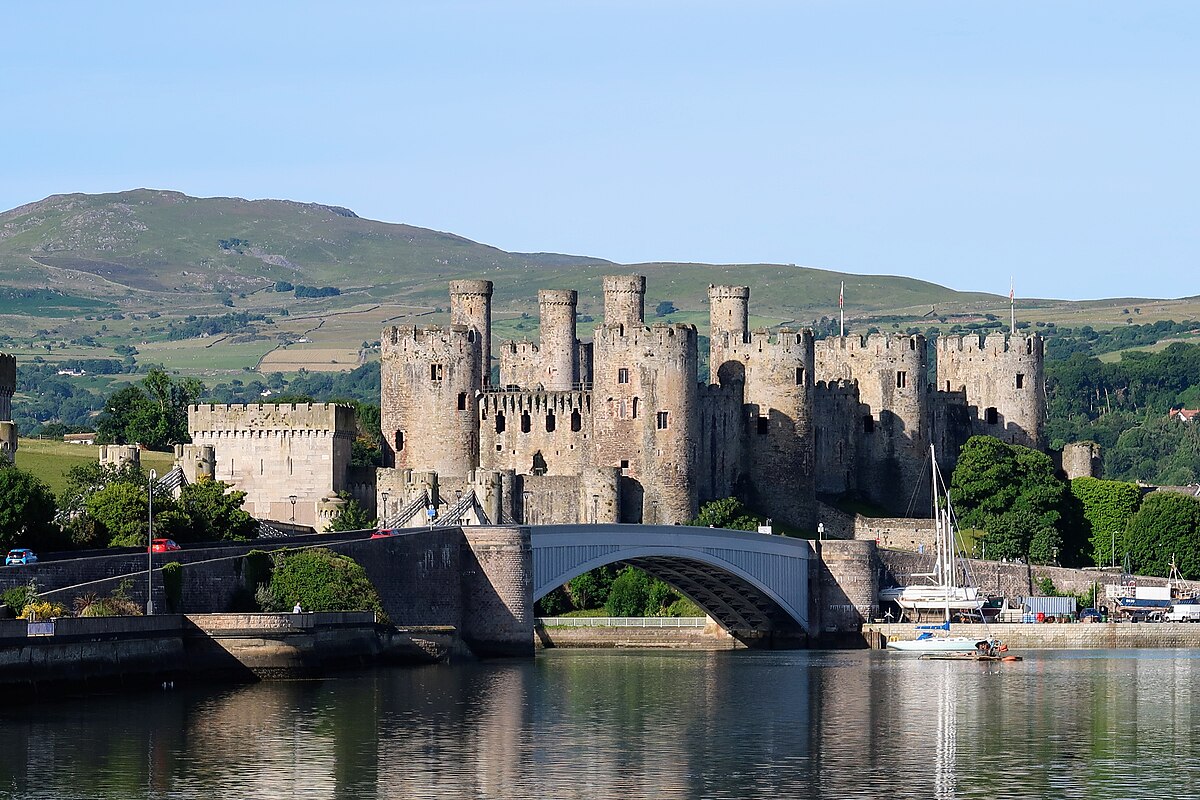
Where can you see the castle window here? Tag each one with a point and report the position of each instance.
(635, 407)
(462, 401)
(912, 344)
(1029, 346)
(901, 379)
(660, 420)
(868, 424)
(576, 421)
(526, 424)
(621, 408)
(624, 464)
(1020, 380)
(990, 416)
(947, 386)
(499, 422)
(550, 423)
(764, 425)
(399, 441)
(623, 375)
(799, 376)
(435, 372)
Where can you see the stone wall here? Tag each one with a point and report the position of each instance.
(497, 591)
(546, 433)
(1003, 377)
(1081, 460)
(1074, 636)
(272, 452)
(8, 385)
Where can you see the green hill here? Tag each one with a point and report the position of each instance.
(87, 276)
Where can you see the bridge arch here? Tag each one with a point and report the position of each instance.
(748, 582)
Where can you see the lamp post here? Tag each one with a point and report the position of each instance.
(150, 549)
(383, 518)
(820, 531)
(292, 497)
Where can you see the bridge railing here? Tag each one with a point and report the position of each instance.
(622, 622)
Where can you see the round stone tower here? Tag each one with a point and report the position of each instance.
(558, 351)
(1004, 380)
(471, 306)
(8, 385)
(624, 299)
(429, 407)
(729, 320)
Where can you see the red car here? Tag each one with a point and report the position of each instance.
(383, 533)
(163, 546)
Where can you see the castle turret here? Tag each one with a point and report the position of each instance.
(624, 300)
(559, 351)
(471, 306)
(1003, 377)
(429, 411)
(8, 385)
(644, 417)
(729, 319)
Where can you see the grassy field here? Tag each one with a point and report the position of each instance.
(51, 460)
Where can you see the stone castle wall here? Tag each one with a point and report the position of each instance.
(274, 452)
(1004, 380)
(536, 432)
(8, 385)
(1081, 460)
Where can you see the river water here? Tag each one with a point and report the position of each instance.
(637, 724)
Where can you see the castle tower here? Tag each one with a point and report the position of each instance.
(644, 416)
(8, 385)
(729, 319)
(1004, 380)
(471, 306)
(624, 300)
(559, 351)
(429, 409)
(892, 375)
(779, 405)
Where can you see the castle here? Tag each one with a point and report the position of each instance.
(620, 429)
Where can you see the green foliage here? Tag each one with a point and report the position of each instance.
(727, 513)
(211, 513)
(554, 604)
(1166, 525)
(153, 414)
(352, 516)
(321, 580)
(590, 589)
(1012, 492)
(629, 593)
(117, 604)
(172, 578)
(18, 597)
(1107, 508)
(27, 511)
(684, 608)
(121, 513)
(256, 569)
(664, 308)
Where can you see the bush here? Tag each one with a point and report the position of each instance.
(43, 610)
(629, 594)
(685, 608)
(18, 597)
(322, 580)
(172, 577)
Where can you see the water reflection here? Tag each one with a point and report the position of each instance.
(596, 724)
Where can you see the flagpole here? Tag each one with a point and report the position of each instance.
(1012, 302)
(842, 307)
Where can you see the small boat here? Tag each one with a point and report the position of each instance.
(946, 595)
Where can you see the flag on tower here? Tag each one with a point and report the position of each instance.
(842, 294)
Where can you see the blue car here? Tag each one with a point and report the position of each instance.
(20, 555)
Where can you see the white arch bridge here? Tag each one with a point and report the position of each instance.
(750, 583)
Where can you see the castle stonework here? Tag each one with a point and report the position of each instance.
(274, 453)
(619, 429)
(8, 429)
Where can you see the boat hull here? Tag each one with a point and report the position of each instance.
(936, 644)
(935, 598)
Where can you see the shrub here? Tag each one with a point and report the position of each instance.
(629, 593)
(18, 597)
(684, 608)
(43, 609)
(172, 576)
(322, 580)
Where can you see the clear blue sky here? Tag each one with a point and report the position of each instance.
(955, 142)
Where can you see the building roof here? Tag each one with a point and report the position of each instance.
(1184, 414)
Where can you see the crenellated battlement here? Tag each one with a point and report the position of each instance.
(471, 287)
(716, 292)
(408, 338)
(783, 339)
(262, 419)
(660, 334)
(516, 401)
(558, 297)
(874, 343)
(998, 342)
(837, 388)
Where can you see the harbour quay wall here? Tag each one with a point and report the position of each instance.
(137, 650)
(709, 637)
(475, 580)
(1059, 636)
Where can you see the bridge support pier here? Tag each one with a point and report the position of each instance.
(497, 591)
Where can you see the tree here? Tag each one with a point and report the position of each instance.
(1107, 506)
(629, 594)
(1167, 525)
(121, 512)
(27, 511)
(321, 580)
(590, 590)
(153, 414)
(726, 513)
(664, 308)
(1012, 492)
(352, 517)
(213, 513)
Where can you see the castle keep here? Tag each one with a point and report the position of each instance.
(621, 430)
(8, 386)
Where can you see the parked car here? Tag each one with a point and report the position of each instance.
(1090, 615)
(163, 546)
(384, 533)
(20, 555)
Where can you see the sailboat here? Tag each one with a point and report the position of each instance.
(943, 594)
